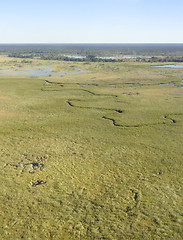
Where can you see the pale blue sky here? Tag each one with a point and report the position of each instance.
(96, 21)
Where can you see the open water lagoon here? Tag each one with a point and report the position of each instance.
(170, 66)
(34, 71)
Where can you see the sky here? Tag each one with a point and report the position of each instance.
(91, 21)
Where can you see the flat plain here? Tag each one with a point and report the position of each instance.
(93, 155)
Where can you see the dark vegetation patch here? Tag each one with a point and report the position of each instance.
(37, 183)
(30, 164)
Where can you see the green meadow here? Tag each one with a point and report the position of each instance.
(91, 155)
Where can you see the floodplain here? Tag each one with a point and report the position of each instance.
(92, 155)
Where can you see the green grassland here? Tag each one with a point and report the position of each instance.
(94, 155)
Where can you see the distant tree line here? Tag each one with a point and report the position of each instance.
(93, 58)
(96, 49)
(88, 58)
(18, 55)
(166, 59)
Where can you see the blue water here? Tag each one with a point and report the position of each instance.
(169, 66)
(122, 57)
(172, 84)
(74, 56)
(130, 84)
(35, 72)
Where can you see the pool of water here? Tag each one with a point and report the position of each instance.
(74, 56)
(121, 57)
(169, 66)
(172, 84)
(35, 71)
(181, 83)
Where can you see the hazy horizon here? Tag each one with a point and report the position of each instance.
(91, 43)
(96, 21)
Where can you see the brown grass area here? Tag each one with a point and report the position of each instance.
(5, 113)
(4, 97)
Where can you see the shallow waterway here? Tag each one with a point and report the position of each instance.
(169, 66)
(34, 72)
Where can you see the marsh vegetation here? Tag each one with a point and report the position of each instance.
(94, 155)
